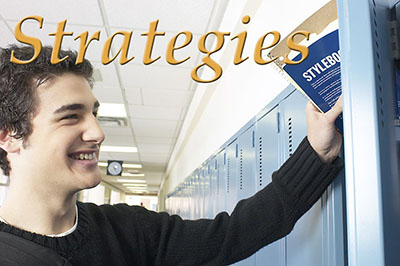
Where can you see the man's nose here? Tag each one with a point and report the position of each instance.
(93, 132)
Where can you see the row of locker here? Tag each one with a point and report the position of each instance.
(244, 165)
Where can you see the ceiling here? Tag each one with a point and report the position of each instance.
(156, 97)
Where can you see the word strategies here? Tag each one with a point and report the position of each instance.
(171, 48)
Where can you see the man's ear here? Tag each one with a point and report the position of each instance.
(9, 143)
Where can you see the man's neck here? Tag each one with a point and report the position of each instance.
(41, 215)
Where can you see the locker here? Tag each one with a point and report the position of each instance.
(203, 176)
(197, 195)
(183, 202)
(245, 182)
(267, 161)
(206, 193)
(221, 181)
(183, 198)
(213, 187)
(193, 197)
(334, 230)
(246, 164)
(186, 199)
(231, 176)
(178, 201)
(303, 244)
(372, 173)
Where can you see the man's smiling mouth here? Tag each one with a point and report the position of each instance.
(83, 156)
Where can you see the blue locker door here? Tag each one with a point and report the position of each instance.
(193, 193)
(197, 194)
(183, 203)
(246, 164)
(213, 187)
(206, 193)
(203, 191)
(267, 161)
(187, 198)
(231, 176)
(179, 202)
(304, 243)
(334, 245)
(246, 186)
(221, 181)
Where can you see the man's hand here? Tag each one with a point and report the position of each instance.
(322, 133)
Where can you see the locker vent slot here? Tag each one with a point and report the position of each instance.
(290, 136)
(228, 172)
(378, 66)
(260, 161)
(241, 169)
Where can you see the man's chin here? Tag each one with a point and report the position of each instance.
(91, 181)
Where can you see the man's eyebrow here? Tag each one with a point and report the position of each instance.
(75, 106)
(69, 107)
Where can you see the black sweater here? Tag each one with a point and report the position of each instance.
(122, 235)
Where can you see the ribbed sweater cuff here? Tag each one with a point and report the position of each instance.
(304, 177)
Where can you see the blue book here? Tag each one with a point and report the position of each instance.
(318, 76)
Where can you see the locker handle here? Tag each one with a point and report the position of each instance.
(237, 148)
(253, 139)
(278, 122)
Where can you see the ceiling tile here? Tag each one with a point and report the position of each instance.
(183, 15)
(156, 77)
(167, 98)
(154, 128)
(108, 94)
(153, 178)
(145, 148)
(154, 112)
(154, 158)
(155, 140)
(108, 75)
(75, 11)
(116, 131)
(125, 140)
(134, 96)
(126, 157)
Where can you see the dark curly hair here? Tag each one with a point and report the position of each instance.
(18, 84)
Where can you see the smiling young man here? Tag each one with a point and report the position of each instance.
(49, 145)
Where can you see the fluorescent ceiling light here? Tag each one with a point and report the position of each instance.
(135, 185)
(112, 110)
(117, 149)
(103, 164)
(138, 189)
(129, 174)
(131, 180)
(131, 165)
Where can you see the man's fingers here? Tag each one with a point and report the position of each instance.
(310, 107)
(336, 110)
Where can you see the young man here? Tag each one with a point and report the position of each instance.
(50, 140)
